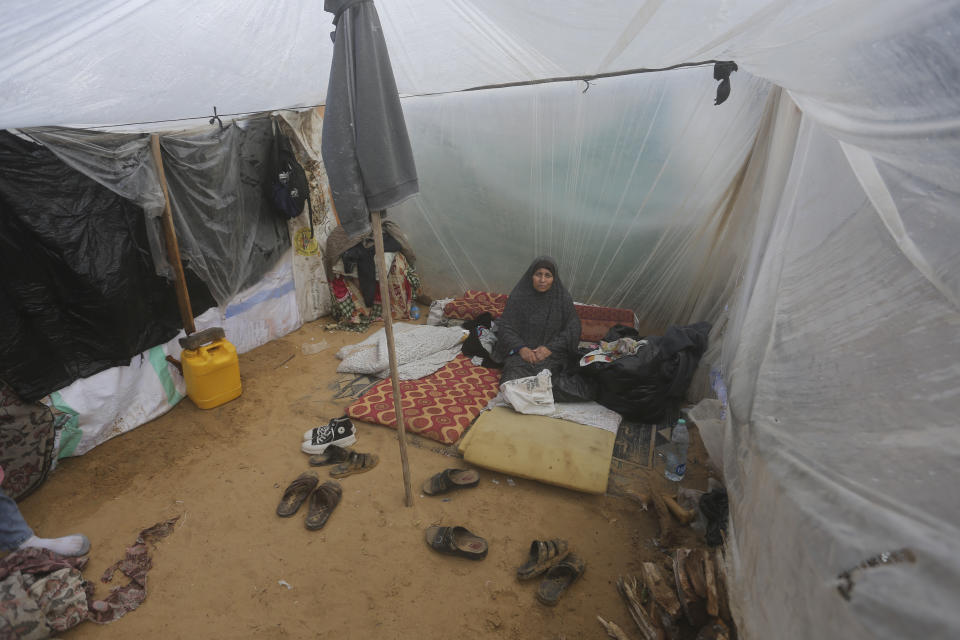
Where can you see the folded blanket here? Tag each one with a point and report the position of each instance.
(420, 350)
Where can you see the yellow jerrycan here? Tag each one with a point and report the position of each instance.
(210, 368)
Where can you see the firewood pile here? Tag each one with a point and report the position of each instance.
(672, 600)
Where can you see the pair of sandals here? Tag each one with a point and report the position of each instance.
(454, 541)
(559, 567)
(322, 499)
(345, 461)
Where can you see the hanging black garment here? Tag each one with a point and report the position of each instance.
(363, 258)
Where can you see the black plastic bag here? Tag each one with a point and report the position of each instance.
(649, 385)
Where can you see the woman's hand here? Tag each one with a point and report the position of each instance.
(541, 353)
(528, 355)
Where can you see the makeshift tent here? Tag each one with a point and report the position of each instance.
(811, 217)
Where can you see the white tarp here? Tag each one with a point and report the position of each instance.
(119, 399)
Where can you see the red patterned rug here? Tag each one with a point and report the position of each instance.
(594, 321)
(439, 406)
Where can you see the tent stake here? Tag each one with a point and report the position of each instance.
(173, 248)
(387, 314)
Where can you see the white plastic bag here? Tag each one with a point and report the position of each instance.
(435, 318)
(533, 394)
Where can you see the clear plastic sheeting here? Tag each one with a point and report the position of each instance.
(624, 182)
(843, 403)
(227, 228)
(813, 218)
(122, 163)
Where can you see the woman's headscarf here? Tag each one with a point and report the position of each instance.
(533, 318)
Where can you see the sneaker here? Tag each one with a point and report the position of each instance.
(339, 431)
(334, 422)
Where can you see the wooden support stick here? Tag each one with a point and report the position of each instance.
(683, 515)
(173, 248)
(387, 314)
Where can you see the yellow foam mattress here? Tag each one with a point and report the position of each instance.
(550, 450)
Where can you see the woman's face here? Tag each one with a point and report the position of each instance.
(542, 279)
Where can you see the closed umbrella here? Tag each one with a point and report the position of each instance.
(366, 149)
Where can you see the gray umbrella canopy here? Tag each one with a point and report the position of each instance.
(365, 144)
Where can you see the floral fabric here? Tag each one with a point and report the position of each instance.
(349, 310)
(41, 592)
(26, 443)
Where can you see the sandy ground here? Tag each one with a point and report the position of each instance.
(368, 573)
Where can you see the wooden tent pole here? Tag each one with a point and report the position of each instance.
(387, 314)
(173, 248)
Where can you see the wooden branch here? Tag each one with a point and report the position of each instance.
(660, 590)
(713, 607)
(720, 578)
(387, 314)
(629, 589)
(170, 239)
(684, 590)
(613, 630)
(683, 515)
(694, 568)
(663, 517)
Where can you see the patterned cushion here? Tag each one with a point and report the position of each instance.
(594, 321)
(473, 303)
(439, 406)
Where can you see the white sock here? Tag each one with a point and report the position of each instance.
(73, 545)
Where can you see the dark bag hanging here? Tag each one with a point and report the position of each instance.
(289, 180)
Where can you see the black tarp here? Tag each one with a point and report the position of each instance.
(78, 291)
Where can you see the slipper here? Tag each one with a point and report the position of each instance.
(295, 494)
(356, 463)
(559, 578)
(456, 541)
(323, 501)
(450, 479)
(332, 455)
(543, 555)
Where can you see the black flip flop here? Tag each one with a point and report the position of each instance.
(457, 541)
(323, 501)
(559, 578)
(543, 554)
(296, 493)
(450, 479)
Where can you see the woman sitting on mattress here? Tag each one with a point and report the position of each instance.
(540, 329)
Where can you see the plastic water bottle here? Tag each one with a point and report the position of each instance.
(676, 452)
(414, 312)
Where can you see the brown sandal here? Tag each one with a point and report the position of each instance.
(296, 493)
(559, 578)
(456, 541)
(450, 479)
(332, 455)
(323, 501)
(543, 555)
(356, 463)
